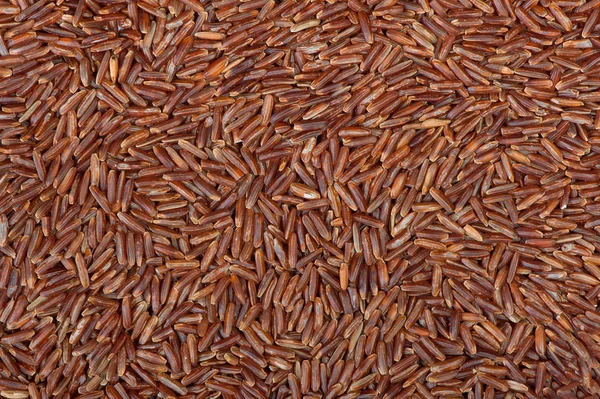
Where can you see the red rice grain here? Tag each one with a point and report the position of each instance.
(299, 199)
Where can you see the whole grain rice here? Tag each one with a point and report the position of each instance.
(299, 199)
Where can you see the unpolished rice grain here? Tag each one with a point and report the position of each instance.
(274, 199)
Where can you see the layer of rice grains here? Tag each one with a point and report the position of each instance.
(286, 199)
